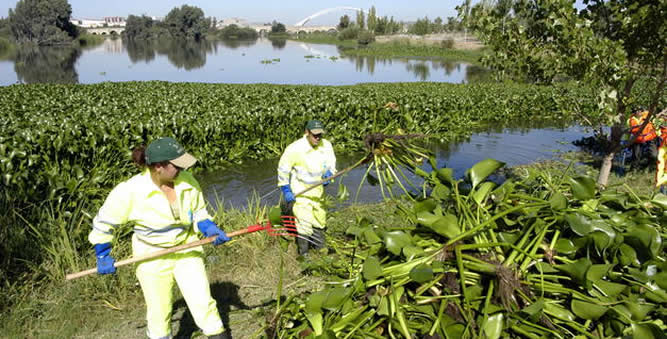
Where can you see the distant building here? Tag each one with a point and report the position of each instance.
(232, 21)
(110, 21)
(115, 21)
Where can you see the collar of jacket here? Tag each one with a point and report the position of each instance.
(182, 183)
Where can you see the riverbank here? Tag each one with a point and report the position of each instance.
(438, 46)
(245, 287)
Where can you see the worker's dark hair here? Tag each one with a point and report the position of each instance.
(139, 156)
(638, 109)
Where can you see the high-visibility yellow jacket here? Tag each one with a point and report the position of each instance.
(661, 173)
(303, 165)
(141, 202)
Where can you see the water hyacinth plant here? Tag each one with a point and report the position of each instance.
(539, 255)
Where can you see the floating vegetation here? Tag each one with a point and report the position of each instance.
(537, 256)
(333, 58)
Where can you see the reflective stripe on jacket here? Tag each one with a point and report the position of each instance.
(661, 173)
(139, 201)
(303, 165)
(647, 134)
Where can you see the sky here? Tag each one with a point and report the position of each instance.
(256, 11)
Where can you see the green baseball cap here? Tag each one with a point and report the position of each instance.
(168, 149)
(315, 127)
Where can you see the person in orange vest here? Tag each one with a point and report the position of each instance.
(644, 138)
(661, 173)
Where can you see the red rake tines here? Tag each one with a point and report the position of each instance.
(288, 228)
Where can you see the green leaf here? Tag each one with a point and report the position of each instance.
(646, 331)
(576, 270)
(610, 289)
(446, 226)
(372, 269)
(586, 310)
(412, 251)
(334, 298)
(440, 192)
(558, 201)
(396, 240)
(493, 326)
(583, 188)
(645, 240)
(315, 320)
(565, 246)
(343, 193)
(426, 205)
(558, 311)
(627, 255)
(446, 175)
(371, 237)
(421, 273)
(481, 170)
(483, 191)
(274, 216)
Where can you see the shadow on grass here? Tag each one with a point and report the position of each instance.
(226, 294)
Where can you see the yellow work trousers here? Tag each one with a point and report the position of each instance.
(309, 214)
(157, 281)
(661, 175)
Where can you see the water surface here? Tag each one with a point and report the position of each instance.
(259, 61)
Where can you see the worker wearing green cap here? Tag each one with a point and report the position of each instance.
(304, 163)
(166, 206)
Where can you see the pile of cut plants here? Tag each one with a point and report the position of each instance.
(540, 255)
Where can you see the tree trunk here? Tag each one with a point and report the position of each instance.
(613, 148)
(605, 169)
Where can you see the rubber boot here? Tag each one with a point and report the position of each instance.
(302, 245)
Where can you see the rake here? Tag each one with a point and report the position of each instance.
(288, 228)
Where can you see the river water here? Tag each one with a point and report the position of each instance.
(514, 146)
(259, 61)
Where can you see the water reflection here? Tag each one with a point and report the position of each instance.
(234, 44)
(35, 64)
(420, 70)
(278, 43)
(186, 54)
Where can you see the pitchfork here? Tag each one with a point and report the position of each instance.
(288, 228)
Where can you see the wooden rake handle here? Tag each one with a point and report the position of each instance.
(249, 229)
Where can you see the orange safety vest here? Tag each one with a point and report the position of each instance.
(647, 134)
(661, 174)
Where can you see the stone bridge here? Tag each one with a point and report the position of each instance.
(105, 30)
(265, 29)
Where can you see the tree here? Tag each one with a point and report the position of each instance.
(344, 22)
(44, 22)
(421, 27)
(277, 27)
(610, 47)
(187, 22)
(360, 19)
(464, 13)
(437, 25)
(371, 21)
(382, 25)
(138, 27)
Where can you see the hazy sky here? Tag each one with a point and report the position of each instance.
(286, 11)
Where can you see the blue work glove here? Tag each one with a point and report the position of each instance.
(104, 259)
(287, 193)
(209, 229)
(327, 175)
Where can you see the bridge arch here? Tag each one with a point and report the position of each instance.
(328, 10)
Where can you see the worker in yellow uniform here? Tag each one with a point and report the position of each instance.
(167, 208)
(304, 163)
(661, 173)
(644, 138)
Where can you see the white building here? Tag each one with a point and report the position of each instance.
(110, 21)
